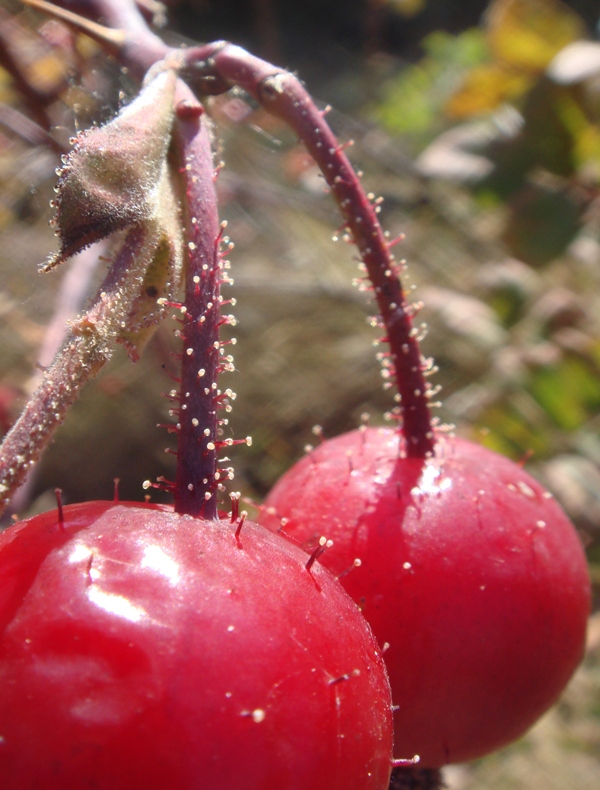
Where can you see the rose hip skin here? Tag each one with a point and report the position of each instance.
(470, 571)
(145, 649)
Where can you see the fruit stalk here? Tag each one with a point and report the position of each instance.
(282, 94)
(202, 359)
(215, 68)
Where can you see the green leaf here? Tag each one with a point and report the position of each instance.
(541, 224)
(412, 102)
(569, 392)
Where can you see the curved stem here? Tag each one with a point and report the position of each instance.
(284, 96)
(214, 68)
(125, 32)
(86, 349)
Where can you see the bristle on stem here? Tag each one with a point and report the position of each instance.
(282, 94)
(197, 420)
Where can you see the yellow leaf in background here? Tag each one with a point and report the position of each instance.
(526, 34)
(485, 88)
(584, 133)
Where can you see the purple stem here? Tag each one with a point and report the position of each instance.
(214, 68)
(197, 423)
(284, 96)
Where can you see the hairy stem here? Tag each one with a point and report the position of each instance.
(215, 68)
(284, 96)
(197, 422)
(87, 347)
(72, 294)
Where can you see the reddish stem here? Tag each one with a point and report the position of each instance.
(138, 49)
(284, 96)
(214, 68)
(195, 485)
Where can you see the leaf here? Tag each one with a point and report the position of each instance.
(411, 102)
(508, 429)
(541, 224)
(568, 391)
(550, 128)
(485, 88)
(527, 34)
(408, 106)
(110, 178)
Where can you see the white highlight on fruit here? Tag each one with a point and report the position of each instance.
(83, 553)
(157, 560)
(80, 553)
(525, 489)
(429, 482)
(115, 604)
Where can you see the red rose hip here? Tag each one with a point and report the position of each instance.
(470, 572)
(141, 648)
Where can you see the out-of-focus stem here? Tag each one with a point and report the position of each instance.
(73, 291)
(124, 33)
(87, 347)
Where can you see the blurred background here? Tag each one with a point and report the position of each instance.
(479, 124)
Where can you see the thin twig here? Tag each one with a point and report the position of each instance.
(86, 349)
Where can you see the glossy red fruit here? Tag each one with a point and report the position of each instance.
(142, 649)
(470, 572)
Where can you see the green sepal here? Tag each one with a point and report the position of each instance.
(111, 178)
